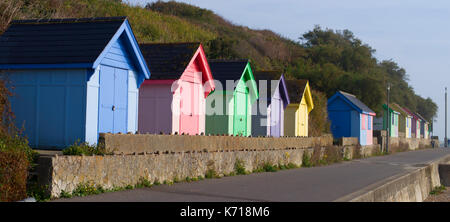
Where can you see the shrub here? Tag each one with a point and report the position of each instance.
(143, 182)
(13, 175)
(211, 173)
(306, 160)
(318, 117)
(267, 167)
(239, 167)
(15, 154)
(438, 190)
(85, 189)
(15, 161)
(84, 149)
(39, 192)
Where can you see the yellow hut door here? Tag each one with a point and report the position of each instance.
(303, 119)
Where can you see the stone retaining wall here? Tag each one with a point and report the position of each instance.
(401, 142)
(65, 173)
(348, 141)
(138, 143)
(411, 143)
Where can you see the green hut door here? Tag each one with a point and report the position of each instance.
(240, 112)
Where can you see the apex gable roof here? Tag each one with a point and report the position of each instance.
(391, 108)
(422, 118)
(65, 43)
(413, 115)
(273, 77)
(234, 69)
(168, 60)
(296, 88)
(360, 106)
(400, 109)
(224, 70)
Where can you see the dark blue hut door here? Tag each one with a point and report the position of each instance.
(113, 100)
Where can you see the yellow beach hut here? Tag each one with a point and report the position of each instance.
(296, 113)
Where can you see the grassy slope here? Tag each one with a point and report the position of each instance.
(148, 26)
(266, 49)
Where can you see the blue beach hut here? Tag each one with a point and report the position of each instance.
(350, 118)
(72, 79)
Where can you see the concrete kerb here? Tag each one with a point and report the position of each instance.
(395, 188)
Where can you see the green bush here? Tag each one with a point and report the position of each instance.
(267, 167)
(39, 192)
(85, 189)
(239, 167)
(318, 117)
(211, 173)
(84, 148)
(306, 160)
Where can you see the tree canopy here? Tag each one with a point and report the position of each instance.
(337, 60)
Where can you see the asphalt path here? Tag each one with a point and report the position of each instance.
(326, 183)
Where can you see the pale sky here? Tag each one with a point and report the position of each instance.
(413, 33)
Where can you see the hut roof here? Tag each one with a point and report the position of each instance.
(168, 60)
(352, 98)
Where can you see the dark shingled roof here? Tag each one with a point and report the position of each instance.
(168, 60)
(295, 89)
(268, 76)
(57, 41)
(224, 70)
(356, 102)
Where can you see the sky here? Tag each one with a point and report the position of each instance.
(413, 33)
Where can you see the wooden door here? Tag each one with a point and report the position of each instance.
(303, 120)
(240, 113)
(113, 100)
(275, 117)
(189, 107)
(120, 100)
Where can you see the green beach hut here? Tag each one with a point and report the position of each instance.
(393, 124)
(229, 106)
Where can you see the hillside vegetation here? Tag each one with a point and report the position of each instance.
(330, 59)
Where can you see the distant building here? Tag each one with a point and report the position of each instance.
(405, 120)
(350, 118)
(424, 125)
(415, 124)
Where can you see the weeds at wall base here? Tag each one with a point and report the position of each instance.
(88, 188)
(211, 173)
(438, 190)
(38, 192)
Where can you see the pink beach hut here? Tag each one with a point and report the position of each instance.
(173, 99)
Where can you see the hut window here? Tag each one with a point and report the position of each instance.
(369, 123)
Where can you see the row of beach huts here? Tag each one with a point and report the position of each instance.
(72, 79)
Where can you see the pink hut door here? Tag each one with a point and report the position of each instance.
(190, 106)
